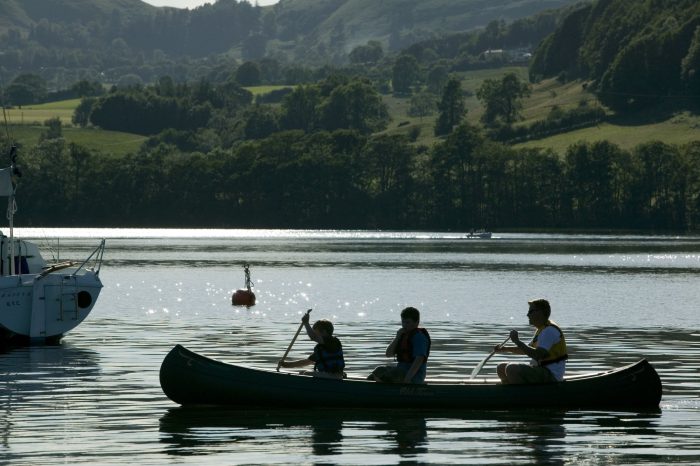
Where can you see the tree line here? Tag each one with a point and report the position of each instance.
(346, 179)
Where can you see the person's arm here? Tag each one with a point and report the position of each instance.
(309, 330)
(534, 353)
(298, 363)
(391, 349)
(508, 349)
(417, 362)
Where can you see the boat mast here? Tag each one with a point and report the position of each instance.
(12, 208)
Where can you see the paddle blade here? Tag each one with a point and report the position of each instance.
(480, 366)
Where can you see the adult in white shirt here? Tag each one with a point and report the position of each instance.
(547, 350)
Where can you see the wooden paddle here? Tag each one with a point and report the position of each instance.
(279, 364)
(480, 366)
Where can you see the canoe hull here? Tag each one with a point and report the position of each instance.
(188, 378)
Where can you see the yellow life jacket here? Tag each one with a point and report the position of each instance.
(558, 350)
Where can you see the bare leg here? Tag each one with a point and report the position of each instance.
(501, 371)
(513, 373)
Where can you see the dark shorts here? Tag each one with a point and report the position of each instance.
(530, 374)
(390, 374)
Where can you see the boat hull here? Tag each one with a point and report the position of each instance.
(482, 235)
(40, 308)
(188, 378)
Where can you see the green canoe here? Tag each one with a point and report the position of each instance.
(188, 378)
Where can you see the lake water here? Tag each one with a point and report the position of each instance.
(96, 399)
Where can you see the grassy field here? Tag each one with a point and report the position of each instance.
(549, 94)
(258, 90)
(402, 123)
(38, 114)
(108, 142)
(679, 129)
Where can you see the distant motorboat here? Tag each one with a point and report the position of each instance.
(40, 302)
(479, 234)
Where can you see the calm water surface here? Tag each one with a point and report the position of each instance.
(95, 399)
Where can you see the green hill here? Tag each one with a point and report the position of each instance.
(23, 15)
(111, 38)
(397, 23)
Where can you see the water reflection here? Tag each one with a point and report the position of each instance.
(39, 369)
(409, 433)
(189, 430)
(326, 436)
(531, 436)
(624, 437)
(537, 436)
(34, 381)
(547, 440)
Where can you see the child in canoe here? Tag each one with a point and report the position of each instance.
(410, 347)
(327, 357)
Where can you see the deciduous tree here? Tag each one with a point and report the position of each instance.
(502, 99)
(355, 105)
(26, 89)
(405, 73)
(451, 107)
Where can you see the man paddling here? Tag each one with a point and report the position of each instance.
(547, 350)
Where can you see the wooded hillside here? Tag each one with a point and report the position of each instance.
(635, 53)
(68, 40)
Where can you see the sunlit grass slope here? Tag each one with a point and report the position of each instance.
(39, 113)
(678, 128)
(107, 142)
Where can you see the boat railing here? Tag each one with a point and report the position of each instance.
(95, 259)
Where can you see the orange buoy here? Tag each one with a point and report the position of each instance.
(244, 297)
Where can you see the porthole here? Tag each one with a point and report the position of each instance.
(84, 299)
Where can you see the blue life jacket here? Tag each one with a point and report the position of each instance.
(329, 356)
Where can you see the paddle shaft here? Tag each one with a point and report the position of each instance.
(292, 343)
(478, 368)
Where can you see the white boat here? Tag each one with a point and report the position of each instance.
(40, 302)
(479, 234)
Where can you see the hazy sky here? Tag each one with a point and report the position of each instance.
(196, 3)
